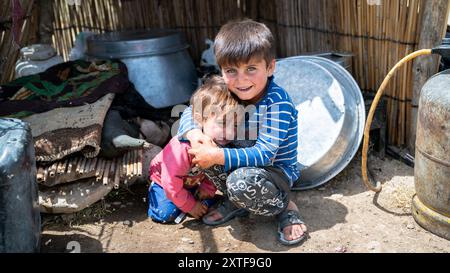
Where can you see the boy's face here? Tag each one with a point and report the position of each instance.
(248, 80)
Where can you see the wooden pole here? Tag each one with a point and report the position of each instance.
(433, 24)
(45, 21)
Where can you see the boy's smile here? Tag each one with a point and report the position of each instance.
(248, 80)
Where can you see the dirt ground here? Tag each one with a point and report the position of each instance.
(342, 216)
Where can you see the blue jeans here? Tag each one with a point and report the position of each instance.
(160, 208)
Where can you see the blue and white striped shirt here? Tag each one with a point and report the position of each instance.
(275, 122)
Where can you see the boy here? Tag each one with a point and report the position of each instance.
(178, 185)
(262, 174)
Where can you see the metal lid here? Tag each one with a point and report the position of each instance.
(331, 116)
(135, 43)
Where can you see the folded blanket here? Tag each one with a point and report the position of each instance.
(64, 131)
(64, 85)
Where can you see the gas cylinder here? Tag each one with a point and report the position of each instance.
(431, 203)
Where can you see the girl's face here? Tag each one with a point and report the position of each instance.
(248, 80)
(222, 131)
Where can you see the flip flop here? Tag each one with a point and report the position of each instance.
(289, 218)
(228, 210)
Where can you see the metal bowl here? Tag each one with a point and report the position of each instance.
(331, 116)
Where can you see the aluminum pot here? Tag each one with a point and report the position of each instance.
(158, 63)
(331, 116)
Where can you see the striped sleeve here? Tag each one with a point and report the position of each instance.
(272, 131)
(187, 123)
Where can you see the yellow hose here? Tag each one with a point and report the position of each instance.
(378, 95)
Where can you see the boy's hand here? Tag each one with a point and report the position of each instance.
(205, 156)
(198, 210)
(197, 138)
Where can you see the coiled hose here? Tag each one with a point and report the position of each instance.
(377, 187)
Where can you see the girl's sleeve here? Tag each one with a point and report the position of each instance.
(175, 165)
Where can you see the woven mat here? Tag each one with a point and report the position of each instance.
(64, 131)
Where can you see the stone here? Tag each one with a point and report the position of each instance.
(187, 240)
(340, 249)
(374, 246)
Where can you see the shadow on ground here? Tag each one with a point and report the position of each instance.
(76, 243)
(262, 231)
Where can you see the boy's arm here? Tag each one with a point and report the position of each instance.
(272, 131)
(187, 123)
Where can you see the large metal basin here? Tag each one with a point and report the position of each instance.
(331, 116)
(158, 63)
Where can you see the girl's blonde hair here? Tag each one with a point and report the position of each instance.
(213, 99)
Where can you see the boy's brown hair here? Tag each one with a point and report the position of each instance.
(213, 98)
(240, 40)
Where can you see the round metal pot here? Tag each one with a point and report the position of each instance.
(158, 63)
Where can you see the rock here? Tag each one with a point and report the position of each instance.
(126, 223)
(336, 196)
(208, 249)
(374, 246)
(322, 189)
(117, 203)
(179, 250)
(340, 249)
(410, 226)
(122, 206)
(187, 240)
(155, 132)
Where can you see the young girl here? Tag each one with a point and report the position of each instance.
(177, 184)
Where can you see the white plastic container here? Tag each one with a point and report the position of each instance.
(35, 59)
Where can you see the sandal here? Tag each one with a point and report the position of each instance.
(289, 218)
(228, 211)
